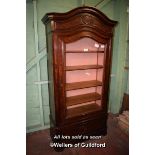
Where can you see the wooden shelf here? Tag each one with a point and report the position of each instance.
(74, 100)
(84, 51)
(83, 84)
(83, 67)
(82, 110)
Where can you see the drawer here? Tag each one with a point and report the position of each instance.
(84, 127)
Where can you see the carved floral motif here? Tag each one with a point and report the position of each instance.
(85, 19)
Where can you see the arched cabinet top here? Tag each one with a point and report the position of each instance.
(79, 18)
(72, 37)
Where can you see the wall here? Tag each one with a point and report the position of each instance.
(120, 53)
(37, 83)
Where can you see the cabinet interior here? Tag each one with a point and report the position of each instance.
(84, 66)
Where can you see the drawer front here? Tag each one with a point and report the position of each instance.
(84, 128)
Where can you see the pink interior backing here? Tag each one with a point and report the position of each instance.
(100, 58)
(81, 91)
(84, 43)
(98, 102)
(100, 74)
(78, 59)
(99, 90)
(75, 59)
(80, 75)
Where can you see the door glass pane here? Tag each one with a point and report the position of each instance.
(84, 76)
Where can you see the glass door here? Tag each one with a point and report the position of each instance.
(84, 76)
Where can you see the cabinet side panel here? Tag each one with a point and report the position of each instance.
(50, 73)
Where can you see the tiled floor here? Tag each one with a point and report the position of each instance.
(117, 143)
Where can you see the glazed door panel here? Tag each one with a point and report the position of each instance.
(81, 72)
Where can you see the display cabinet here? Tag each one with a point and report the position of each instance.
(79, 47)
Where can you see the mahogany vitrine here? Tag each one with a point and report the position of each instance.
(79, 47)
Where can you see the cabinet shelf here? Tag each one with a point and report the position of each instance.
(83, 110)
(83, 84)
(83, 67)
(74, 100)
(84, 51)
